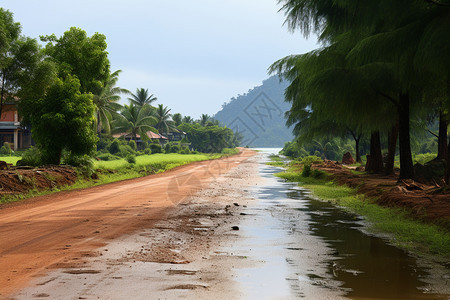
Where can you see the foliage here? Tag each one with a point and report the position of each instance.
(31, 157)
(6, 149)
(209, 139)
(132, 144)
(131, 158)
(156, 148)
(142, 98)
(62, 120)
(113, 148)
(163, 117)
(136, 120)
(79, 55)
(147, 151)
(108, 157)
(306, 170)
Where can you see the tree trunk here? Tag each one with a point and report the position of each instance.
(392, 145)
(447, 172)
(375, 159)
(358, 154)
(442, 138)
(406, 163)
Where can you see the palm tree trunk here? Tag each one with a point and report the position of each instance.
(442, 138)
(406, 163)
(375, 159)
(392, 145)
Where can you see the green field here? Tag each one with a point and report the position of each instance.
(10, 159)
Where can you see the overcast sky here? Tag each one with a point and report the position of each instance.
(193, 55)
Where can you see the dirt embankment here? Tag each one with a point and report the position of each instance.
(20, 180)
(425, 202)
(57, 230)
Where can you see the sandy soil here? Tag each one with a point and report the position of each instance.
(66, 232)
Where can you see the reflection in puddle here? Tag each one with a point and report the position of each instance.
(309, 248)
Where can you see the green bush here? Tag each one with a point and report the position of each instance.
(155, 148)
(108, 157)
(31, 157)
(306, 172)
(114, 147)
(184, 150)
(147, 151)
(132, 144)
(6, 149)
(124, 150)
(317, 173)
(131, 158)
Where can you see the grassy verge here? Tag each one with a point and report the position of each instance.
(118, 170)
(10, 159)
(418, 238)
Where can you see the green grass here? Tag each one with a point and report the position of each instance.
(155, 160)
(10, 159)
(417, 237)
(118, 170)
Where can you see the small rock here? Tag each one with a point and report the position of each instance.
(236, 204)
(235, 227)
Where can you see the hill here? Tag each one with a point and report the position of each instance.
(259, 115)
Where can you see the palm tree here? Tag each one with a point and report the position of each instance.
(204, 120)
(142, 97)
(163, 117)
(105, 102)
(188, 120)
(136, 120)
(177, 118)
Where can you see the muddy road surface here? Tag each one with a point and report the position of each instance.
(63, 229)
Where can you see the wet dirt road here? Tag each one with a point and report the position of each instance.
(58, 230)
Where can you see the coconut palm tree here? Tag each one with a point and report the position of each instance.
(204, 119)
(163, 117)
(177, 118)
(136, 120)
(105, 102)
(142, 97)
(188, 120)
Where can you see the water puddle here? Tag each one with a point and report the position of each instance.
(308, 248)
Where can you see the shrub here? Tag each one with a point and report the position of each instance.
(31, 157)
(108, 157)
(155, 148)
(6, 149)
(316, 173)
(147, 151)
(132, 144)
(113, 148)
(131, 158)
(124, 150)
(84, 163)
(184, 150)
(306, 170)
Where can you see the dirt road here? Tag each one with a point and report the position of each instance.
(59, 230)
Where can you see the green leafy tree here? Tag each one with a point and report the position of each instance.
(177, 119)
(188, 120)
(142, 97)
(135, 120)
(77, 54)
(204, 119)
(209, 139)
(62, 120)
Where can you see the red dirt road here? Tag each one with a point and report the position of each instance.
(53, 231)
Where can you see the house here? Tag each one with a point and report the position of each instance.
(151, 135)
(11, 131)
(176, 136)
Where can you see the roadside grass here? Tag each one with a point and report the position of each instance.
(416, 237)
(276, 161)
(10, 159)
(118, 170)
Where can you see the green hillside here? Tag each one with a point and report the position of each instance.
(259, 115)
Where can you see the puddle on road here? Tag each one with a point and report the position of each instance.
(312, 249)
